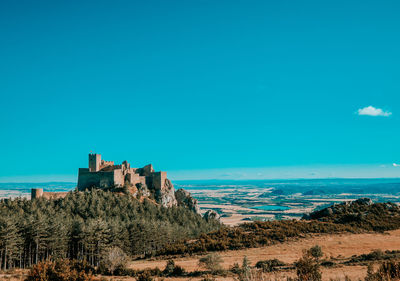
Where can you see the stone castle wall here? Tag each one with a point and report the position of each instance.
(36, 192)
(88, 179)
(94, 162)
(119, 178)
(159, 180)
(104, 174)
(39, 193)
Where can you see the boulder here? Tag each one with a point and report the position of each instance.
(363, 201)
(185, 199)
(211, 215)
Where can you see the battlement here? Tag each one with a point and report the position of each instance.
(105, 164)
(105, 174)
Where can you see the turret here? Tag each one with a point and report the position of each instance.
(94, 162)
(36, 193)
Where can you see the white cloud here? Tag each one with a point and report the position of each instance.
(396, 165)
(373, 111)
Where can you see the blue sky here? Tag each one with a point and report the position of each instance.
(200, 88)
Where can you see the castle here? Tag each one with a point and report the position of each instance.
(139, 182)
(104, 174)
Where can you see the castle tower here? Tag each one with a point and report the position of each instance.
(94, 162)
(36, 193)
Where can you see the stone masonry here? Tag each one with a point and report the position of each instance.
(105, 174)
(140, 182)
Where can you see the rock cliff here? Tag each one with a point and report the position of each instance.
(166, 195)
(185, 199)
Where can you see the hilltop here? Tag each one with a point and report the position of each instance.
(361, 213)
(141, 183)
(83, 225)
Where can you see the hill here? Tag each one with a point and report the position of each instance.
(359, 216)
(84, 224)
(361, 213)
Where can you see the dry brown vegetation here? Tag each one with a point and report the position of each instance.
(340, 247)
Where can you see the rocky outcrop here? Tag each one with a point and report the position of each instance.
(211, 215)
(345, 208)
(166, 195)
(355, 210)
(364, 201)
(185, 199)
(143, 190)
(141, 183)
(360, 214)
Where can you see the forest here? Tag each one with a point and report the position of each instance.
(83, 225)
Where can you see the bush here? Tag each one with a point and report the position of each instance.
(114, 259)
(328, 263)
(212, 262)
(251, 275)
(245, 270)
(61, 270)
(315, 252)
(269, 265)
(251, 235)
(208, 279)
(171, 269)
(236, 268)
(308, 268)
(375, 255)
(145, 276)
(387, 271)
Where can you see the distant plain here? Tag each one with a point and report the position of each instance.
(241, 201)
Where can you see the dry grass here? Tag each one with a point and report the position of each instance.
(338, 245)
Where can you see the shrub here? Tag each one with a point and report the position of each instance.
(308, 268)
(245, 263)
(171, 269)
(252, 275)
(235, 268)
(208, 279)
(211, 262)
(375, 255)
(387, 271)
(145, 276)
(328, 263)
(269, 265)
(61, 270)
(245, 271)
(114, 259)
(316, 252)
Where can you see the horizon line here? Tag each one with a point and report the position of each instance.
(217, 179)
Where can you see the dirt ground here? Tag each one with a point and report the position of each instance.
(337, 246)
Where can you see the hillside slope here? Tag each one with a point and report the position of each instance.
(361, 213)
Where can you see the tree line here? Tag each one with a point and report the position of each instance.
(83, 225)
(355, 217)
